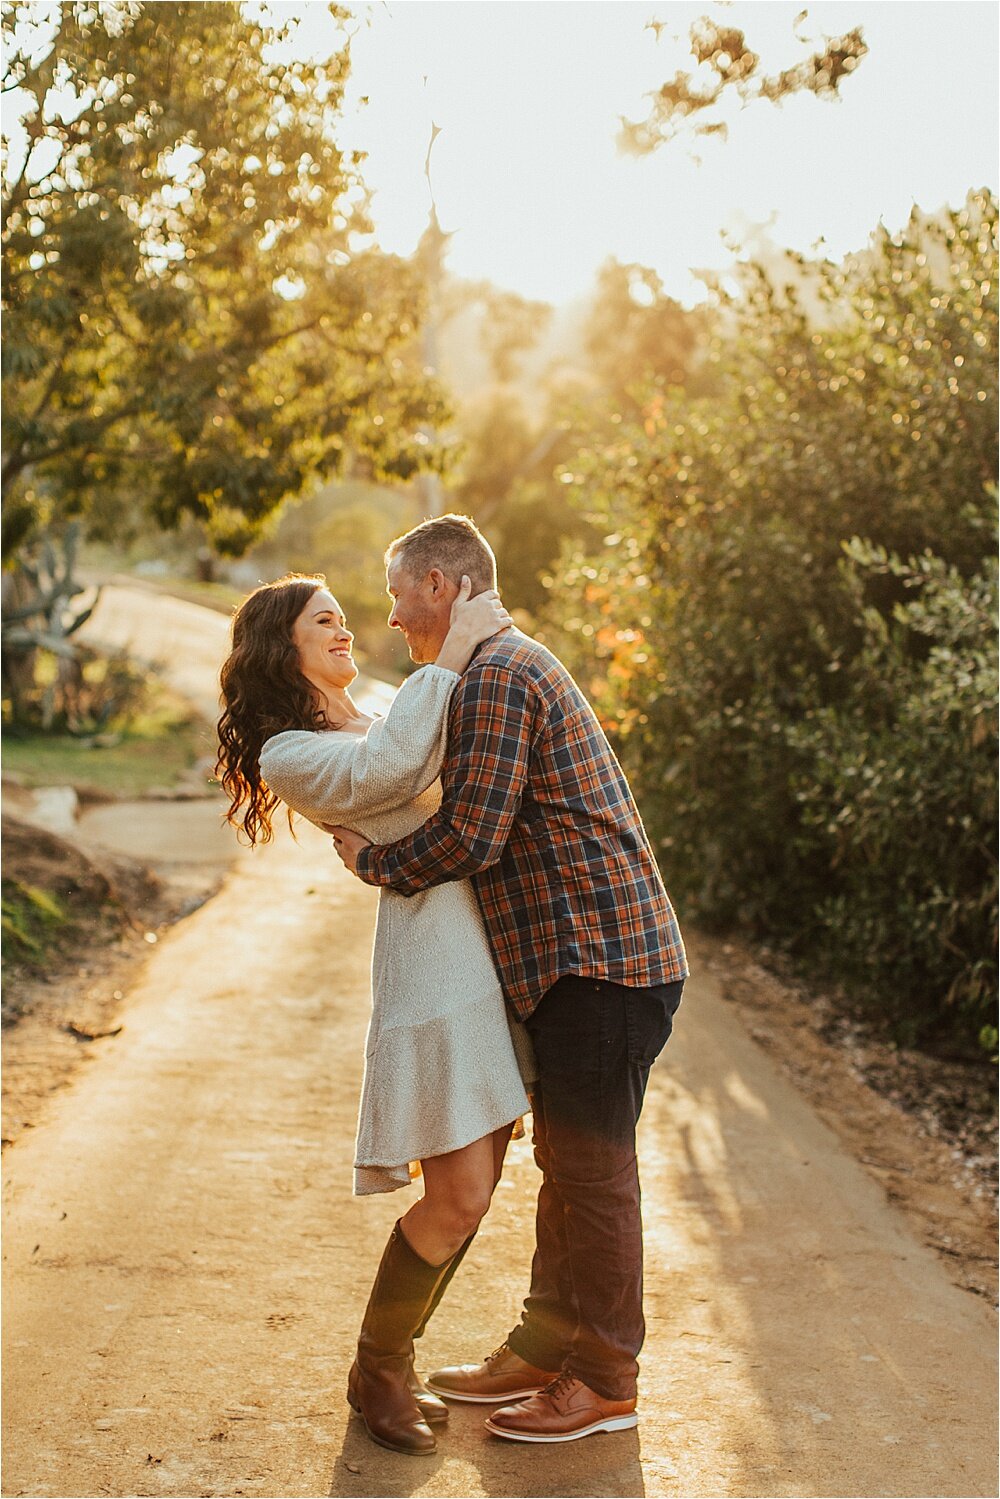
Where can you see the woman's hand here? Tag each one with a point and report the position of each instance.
(473, 620)
(348, 844)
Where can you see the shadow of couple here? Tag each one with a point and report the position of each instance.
(470, 1461)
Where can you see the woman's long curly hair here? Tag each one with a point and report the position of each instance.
(263, 693)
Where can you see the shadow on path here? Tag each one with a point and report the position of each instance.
(471, 1461)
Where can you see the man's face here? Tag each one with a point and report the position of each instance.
(421, 608)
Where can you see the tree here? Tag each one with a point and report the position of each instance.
(636, 335)
(189, 326)
(509, 448)
(511, 327)
(505, 479)
(37, 617)
(497, 446)
(790, 624)
(500, 324)
(726, 66)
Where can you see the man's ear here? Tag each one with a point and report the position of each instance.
(439, 583)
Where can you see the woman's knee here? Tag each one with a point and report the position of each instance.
(461, 1211)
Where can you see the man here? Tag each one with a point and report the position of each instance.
(536, 810)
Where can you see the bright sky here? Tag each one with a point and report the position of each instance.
(528, 94)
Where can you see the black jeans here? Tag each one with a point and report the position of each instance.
(595, 1042)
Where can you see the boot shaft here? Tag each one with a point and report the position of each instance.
(400, 1299)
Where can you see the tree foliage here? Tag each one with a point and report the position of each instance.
(636, 334)
(189, 326)
(726, 66)
(510, 448)
(511, 327)
(790, 626)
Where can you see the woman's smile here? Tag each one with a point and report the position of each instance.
(325, 644)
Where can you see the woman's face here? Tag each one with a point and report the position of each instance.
(323, 641)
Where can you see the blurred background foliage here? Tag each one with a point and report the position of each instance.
(789, 622)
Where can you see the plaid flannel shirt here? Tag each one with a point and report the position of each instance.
(537, 811)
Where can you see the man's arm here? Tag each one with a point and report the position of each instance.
(495, 721)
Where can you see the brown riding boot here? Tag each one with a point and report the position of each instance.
(378, 1386)
(434, 1410)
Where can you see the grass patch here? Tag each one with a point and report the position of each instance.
(30, 919)
(56, 905)
(157, 749)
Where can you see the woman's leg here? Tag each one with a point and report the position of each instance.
(433, 1409)
(500, 1138)
(457, 1191)
(423, 1251)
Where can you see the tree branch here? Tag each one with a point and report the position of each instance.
(19, 460)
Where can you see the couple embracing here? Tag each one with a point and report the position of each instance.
(526, 957)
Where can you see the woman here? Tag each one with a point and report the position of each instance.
(443, 1062)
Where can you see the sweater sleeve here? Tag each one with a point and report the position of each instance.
(497, 721)
(334, 777)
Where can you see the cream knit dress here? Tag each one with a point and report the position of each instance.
(445, 1060)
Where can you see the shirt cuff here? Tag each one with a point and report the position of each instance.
(364, 865)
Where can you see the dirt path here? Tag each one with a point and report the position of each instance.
(187, 640)
(185, 1268)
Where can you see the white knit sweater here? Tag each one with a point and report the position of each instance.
(441, 1068)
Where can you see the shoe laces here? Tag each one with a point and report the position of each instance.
(491, 1358)
(560, 1385)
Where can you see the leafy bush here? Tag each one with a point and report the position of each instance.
(86, 693)
(900, 800)
(789, 627)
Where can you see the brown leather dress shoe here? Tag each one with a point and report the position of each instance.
(501, 1376)
(563, 1412)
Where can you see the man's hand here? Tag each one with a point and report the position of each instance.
(348, 844)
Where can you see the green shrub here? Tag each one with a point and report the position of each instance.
(88, 693)
(28, 917)
(810, 733)
(901, 799)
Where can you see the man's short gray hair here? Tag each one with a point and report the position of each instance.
(453, 543)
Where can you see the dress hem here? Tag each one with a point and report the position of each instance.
(403, 1167)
